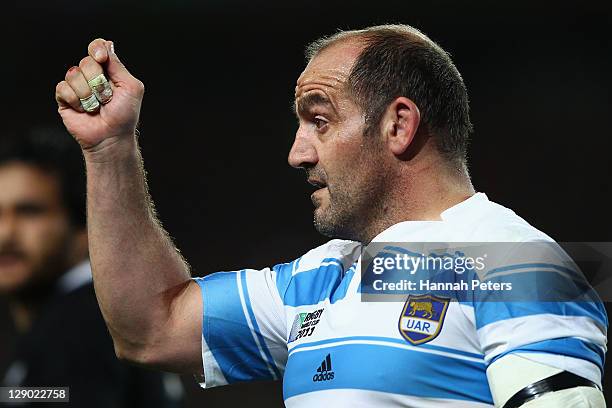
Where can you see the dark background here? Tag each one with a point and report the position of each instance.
(216, 123)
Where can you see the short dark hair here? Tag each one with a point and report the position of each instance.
(53, 150)
(399, 60)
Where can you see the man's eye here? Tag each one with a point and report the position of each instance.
(31, 209)
(319, 123)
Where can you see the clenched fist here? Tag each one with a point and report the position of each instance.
(111, 121)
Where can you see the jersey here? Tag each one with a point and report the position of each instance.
(305, 322)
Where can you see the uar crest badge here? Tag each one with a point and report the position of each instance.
(422, 318)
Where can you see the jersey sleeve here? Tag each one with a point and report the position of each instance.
(551, 315)
(243, 327)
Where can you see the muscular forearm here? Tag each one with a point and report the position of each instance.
(152, 308)
(137, 270)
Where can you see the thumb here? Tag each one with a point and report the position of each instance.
(117, 72)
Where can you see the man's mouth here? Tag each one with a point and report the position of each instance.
(10, 258)
(318, 184)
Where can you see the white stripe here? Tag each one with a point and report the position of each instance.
(315, 267)
(248, 319)
(76, 277)
(509, 334)
(387, 344)
(269, 313)
(354, 398)
(337, 263)
(213, 376)
(294, 266)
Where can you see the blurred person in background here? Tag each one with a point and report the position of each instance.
(45, 279)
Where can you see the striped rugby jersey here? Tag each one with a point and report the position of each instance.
(305, 322)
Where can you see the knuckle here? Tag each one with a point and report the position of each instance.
(140, 87)
(96, 42)
(67, 95)
(72, 99)
(70, 73)
(84, 61)
(64, 91)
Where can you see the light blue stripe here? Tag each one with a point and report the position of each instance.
(388, 369)
(284, 275)
(341, 290)
(315, 285)
(538, 285)
(390, 340)
(260, 338)
(533, 265)
(227, 332)
(399, 249)
(568, 346)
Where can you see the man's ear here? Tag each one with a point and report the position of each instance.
(399, 124)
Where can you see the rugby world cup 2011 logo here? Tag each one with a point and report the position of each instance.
(422, 318)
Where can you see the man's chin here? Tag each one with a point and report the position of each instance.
(324, 229)
(324, 224)
(12, 281)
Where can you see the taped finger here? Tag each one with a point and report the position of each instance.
(101, 88)
(90, 104)
(79, 85)
(94, 74)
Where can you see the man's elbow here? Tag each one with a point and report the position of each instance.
(163, 358)
(140, 355)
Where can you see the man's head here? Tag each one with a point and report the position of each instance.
(368, 103)
(42, 209)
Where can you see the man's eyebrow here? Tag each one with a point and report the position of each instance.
(305, 103)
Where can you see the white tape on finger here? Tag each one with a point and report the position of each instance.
(101, 88)
(90, 104)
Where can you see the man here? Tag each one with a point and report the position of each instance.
(46, 278)
(383, 128)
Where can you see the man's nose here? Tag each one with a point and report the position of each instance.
(8, 227)
(303, 153)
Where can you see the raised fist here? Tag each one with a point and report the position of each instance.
(109, 116)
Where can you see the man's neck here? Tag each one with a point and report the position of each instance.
(23, 309)
(25, 305)
(423, 197)
(22, 315)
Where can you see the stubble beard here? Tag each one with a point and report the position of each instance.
(353, 206)
(335, 220)
(44, 271)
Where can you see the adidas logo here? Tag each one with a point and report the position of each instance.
(324, 372)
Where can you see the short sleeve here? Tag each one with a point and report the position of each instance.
(243, 327)
(552, 315)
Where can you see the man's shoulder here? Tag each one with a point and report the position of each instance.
(476, 219)
(497, 223)
(312, 277)
(336, 251)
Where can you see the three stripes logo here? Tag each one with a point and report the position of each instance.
(324, 372)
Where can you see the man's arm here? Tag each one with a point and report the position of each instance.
(512, 373)
(152, 308)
